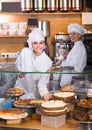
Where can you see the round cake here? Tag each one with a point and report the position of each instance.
(53, 107)
(12, 113)
(89, 93)
(16, 91)
(67, 88)
(86, 103)
(80, 115)
(67, 97)
(90, 115)
(83, 102)
(90, 102)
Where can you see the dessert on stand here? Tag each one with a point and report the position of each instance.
(13, 115)
(66, 107)
(53, 113)
(82, 112)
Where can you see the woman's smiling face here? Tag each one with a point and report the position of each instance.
(74, 36)
(38, 47)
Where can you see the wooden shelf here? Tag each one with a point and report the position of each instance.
(40, 13)
(13, 36)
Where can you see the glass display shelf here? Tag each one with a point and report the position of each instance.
(13, 68)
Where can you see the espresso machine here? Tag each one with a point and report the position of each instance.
(62, 44)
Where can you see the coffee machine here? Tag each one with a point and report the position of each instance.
(62, 43)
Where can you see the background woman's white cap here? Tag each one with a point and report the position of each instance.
(75, 28)
(35, 35)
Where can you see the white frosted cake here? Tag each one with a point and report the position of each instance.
(89, 93)
(65, 96)
(53, 107)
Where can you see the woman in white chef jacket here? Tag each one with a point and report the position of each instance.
(34, 59)
(77, 57)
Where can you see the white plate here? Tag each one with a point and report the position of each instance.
(23, 115)
(24, 106)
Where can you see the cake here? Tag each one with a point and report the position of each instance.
(65, 96)
(36, 101)
(22, 102)
(83, 102)
(89, 93)
(53, 107)
(26, 102)
(90, 102)
(67, 88)
(11, 112)
(17, 91)
(90, 115)
(87, 103)
(80, 115)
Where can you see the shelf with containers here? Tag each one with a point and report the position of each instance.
(44, 6)
(58, 23)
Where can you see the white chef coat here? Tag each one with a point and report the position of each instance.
(33, 84)
(77, 58)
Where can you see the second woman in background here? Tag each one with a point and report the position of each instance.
(77, 57)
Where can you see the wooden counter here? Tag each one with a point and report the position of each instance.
(32, 124)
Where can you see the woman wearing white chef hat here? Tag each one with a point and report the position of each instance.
(34, 59)
(77, 57)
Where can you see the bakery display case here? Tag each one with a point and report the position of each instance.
(76, 116)
(78, 101)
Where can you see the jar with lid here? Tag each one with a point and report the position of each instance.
(64, 5)
(77, 5)
(26, 5)
(39, 5)
(52, 5)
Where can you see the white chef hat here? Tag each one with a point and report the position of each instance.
(74, 27)
(35, 35)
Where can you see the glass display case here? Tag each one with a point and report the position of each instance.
(82, 81)
(10, 71)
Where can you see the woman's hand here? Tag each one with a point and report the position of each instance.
(21, 75)
(65, 54)
(57, 63)
(47, 96)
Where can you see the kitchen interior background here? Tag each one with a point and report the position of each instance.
(59, 19)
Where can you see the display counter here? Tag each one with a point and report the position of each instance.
(33, 124)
